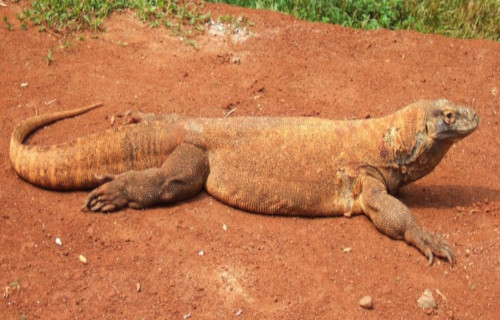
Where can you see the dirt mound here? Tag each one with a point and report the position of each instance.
(148, 264)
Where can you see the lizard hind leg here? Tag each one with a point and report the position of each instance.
(182, 175)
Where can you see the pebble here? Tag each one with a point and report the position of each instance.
(58, 241)
(236, 60)
(426, 301)
(494, 91)
(83, 259)
(366, 302)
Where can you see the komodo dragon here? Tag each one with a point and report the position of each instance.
(283, 166)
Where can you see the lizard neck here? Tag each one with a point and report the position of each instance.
(422, 161)
(409, 152)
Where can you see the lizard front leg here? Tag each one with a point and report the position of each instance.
(394, 219)
(181, 176)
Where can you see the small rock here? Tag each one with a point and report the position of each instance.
(494, 91)
(366, 302)
(239, 312)
(426, 301)
(347, 249)
(24, 85)
(83, 259)
(138, 287)
(201, 253)
(58, 241)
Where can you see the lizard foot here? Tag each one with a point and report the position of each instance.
(430, 244)
(110, 196)
(132, 117)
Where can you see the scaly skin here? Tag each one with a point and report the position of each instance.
(74, 165)
(285, 166)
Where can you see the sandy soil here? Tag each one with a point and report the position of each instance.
(253, 266)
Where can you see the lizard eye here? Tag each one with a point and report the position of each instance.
(449, 117)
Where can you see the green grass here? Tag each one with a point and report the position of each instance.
(183, 17)
(8, 23)
(49, 57)
(67, 16)
(458, 19)
(454, 18)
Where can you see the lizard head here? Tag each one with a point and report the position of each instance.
(440, 124)
(446, 122)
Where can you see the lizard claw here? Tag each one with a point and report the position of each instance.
(127, 118)
(450, 257)
(430, 244)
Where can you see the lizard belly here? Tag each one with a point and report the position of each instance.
(282, 188)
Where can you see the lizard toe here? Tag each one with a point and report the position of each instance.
(108, 207)
(451, 257)
(106, 198)
(127, 118)
(96, 206)
(102, 205)
(430, 244)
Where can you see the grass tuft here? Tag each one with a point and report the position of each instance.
(8, 23)
(68, 16)
(48, 57)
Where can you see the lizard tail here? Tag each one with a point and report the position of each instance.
(26, 159)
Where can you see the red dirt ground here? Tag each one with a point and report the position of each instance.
(256, 267)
